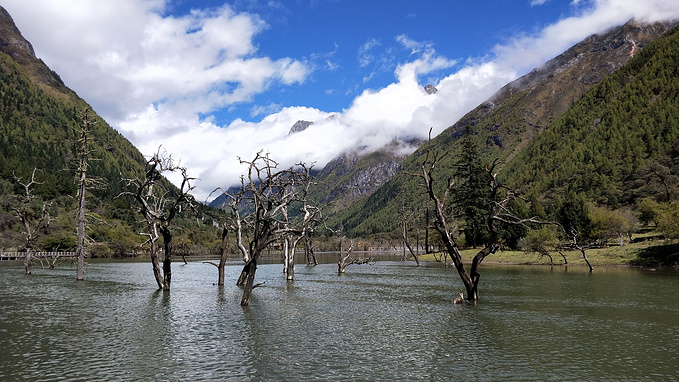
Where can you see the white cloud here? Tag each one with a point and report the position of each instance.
(528, 51)
(153, 77)
(206, 59)
(271, 108)
(365, 56)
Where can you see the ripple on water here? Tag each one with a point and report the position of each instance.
(384, 322)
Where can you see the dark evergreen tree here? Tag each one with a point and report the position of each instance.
(572, 214)
(470, 197)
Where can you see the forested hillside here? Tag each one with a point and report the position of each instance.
(548, 127)
(617, 141)
(40, 127)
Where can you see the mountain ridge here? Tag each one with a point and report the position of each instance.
(509, 120)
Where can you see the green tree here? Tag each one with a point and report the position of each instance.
(472, 193)
(668, 220)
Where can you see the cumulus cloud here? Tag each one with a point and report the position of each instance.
(206, 59)
(157, 79)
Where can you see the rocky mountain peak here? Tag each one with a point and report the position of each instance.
(12, 43)
(299, 126)
(430, 89)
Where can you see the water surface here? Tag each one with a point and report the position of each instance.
(389, 321)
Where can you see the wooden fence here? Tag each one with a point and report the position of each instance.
(22, 255)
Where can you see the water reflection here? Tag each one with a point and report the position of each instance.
(389, 321)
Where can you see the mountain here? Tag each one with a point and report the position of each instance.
(351, 177)
(507, 123)
(606, 144)
(40, 118)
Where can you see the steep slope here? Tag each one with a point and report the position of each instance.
(503, 126)
(603, 144)
(352, 177)
(40, 120)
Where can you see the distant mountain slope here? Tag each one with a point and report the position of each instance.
(350, 177)
(39, 122)
(599, 146)
(503, 126)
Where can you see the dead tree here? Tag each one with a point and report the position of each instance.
(224, 252)
(301, 227)
(309, 251)
(406, 218)
(499, 212)
(260, 212)
(82, 186)
(573, 244)
(52, 259)
(345, 260)
(159, 205)
(32, 219)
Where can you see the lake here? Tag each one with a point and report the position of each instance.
(390, 321)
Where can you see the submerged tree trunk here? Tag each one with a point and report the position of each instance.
(167, 261)
(155, 263)
(248, 279)
(406, 243)
(412, 253)
(222, 259)
(309, 252)
(28, 261)
(290, 273)
(289, 257)
(584, 256)
(80, 268)
(342, 262)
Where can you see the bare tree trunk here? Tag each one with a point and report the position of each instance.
(248, 276)
(155, 263)
(404, 236)
(222, 259)
(565, 261)
(584, 256)
(545, 253)
(290, 254)
(472, 282)
(23, 213)
(28, 261)
(342, 263)
(309, 251)
(574, 244)
(285, 255)
(156, 266)
(80, 268)
(245, 271)
(412, 253)
(167, 261)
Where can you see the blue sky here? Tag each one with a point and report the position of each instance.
(353, 45)
(211, 81)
